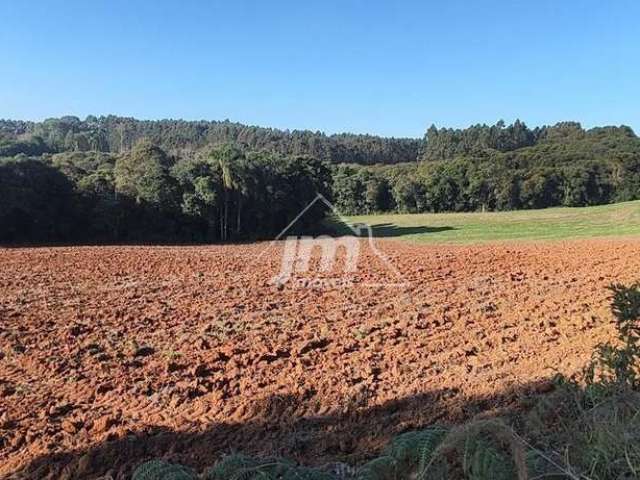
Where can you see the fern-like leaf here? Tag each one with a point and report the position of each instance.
(484, 462)
(242, 467)
(161, 470)
(414, 450)
(381, 468)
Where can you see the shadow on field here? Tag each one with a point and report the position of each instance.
(390, 230)
(350, 433)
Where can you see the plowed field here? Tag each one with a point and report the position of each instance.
(111, 355)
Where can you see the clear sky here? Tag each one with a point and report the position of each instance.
(382, 67)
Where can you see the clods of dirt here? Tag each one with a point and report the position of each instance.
(109, 356)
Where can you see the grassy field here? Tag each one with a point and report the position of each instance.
(553, 223)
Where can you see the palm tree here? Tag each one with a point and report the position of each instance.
(230, 161)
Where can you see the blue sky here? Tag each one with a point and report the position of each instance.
(389, 68)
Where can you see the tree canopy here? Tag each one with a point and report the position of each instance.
(188, 138)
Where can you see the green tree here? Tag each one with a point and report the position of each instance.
(38, 202)
(202, 190)
(144, 175)
(230, 159)
(540, 189)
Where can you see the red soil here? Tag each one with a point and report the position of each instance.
(109, 356)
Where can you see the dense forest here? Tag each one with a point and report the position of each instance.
(499, 168)
(113, 179)
(190, 138)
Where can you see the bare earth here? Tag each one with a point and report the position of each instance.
(109, 356)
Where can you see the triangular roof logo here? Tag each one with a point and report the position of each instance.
(356, 231)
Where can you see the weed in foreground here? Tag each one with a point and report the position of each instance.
(586, 429)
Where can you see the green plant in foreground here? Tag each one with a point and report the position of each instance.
(607, 444)
(591, 428)
(617, 365)
(480, 450)
(485, 450)
(434, 453)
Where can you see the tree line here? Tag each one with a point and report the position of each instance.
(192, 138)
(56, 187)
